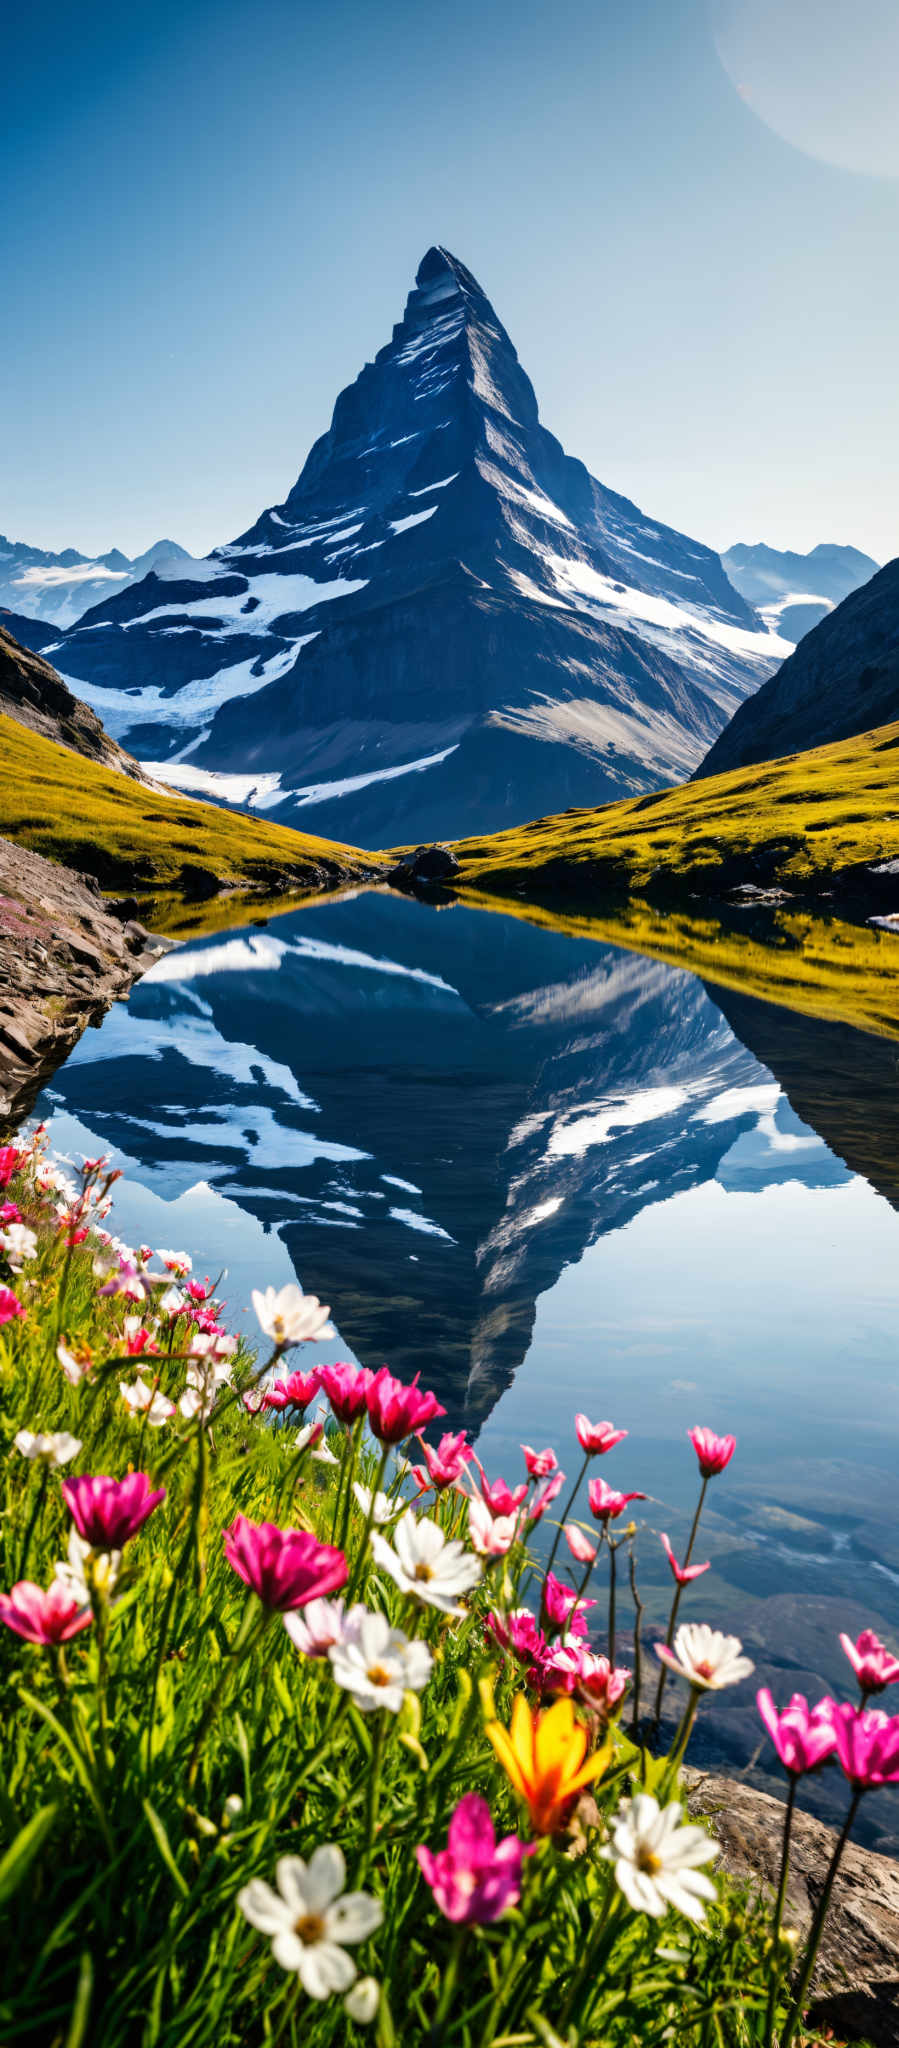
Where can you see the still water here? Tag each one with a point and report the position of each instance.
(553, 1175)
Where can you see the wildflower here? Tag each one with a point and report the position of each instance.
(172, 1303)
(178, 1263)
(284, 1567)
(55, 1449)
(290, 1317)
(708, 1660)
(871, 1661)
(346, 1388)
(543, 1756)
(539, 1463)
(598, 1683)
(10, 1160)
(19, 1243)
(518, 1631)
(77, 1363)
(107, 1512)
(866, 1743)
(325, 1457)
(563, 1607)
(683, 1573)
(713, 1452)
(88, 1573)
(597, 1437)
(380, 1508)
(656, 1856)
(475, 1879)
(295, 1392)
(310, 1918)
(146, 1401)
(546, 1495)
(424, 1563)
(51, 1617)
(136, 1337)
(447, 1463)
(580, 1545)
(362, 2001)
(802, 1736)
(605, 1503)
(126, 1279)
(377, 1663)
(491, 1535)
(317, 1627)
(396, 1410)
(500, 1498)
(205, 1374)
(10, 1212)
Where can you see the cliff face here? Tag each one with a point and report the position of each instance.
(33, 694)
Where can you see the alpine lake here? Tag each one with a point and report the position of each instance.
(552, 1172)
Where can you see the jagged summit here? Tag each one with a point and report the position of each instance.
(447, 625)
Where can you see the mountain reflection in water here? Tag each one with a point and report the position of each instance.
(550, 1174)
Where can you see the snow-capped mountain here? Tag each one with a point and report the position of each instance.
(59, 588)
(795, 592)
(448, 625)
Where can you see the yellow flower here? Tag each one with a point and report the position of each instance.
(543, 1755)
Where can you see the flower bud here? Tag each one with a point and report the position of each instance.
(362, 2000)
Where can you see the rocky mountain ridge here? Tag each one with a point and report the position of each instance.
(58, 588)
(795, 592)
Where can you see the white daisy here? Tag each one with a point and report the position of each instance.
(310, 1918)
(423, 1563)
(290, 1317)
(708, 1660)
(54, 1449)
(314, 1628)
(655, 1857)
(146, 1401)
(383, 1507)
(87, 1571)
(19, 1243)
(377, 1663)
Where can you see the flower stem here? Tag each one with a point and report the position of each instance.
(812, 1946)
(638, 1647)
(362, 1552)
(679, 1748)
(373, 1794)
(569, 1504)
(778, 1911)
(36, 1507)
(612, 1549)
(441, 2017)
(672, 1618)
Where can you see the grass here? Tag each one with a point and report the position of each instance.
(71, 810)
(804, 819)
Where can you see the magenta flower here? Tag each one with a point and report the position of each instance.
(682, 1572)
(544, 1497)
(447, 1463)
(713, 1452)
(10, 1306)
(519, 1632)
(871, 1661)
(395, 1410)
(571, 1668)
(579, 1543)
(51, 1617)
(597, 1437)
(10, 1212)
(346, 1387)
(106, 1512)
(475, 1879)
(10, 1157)
(500, 1498)
(605, 1503)
(286, 1568)
(802, 1735)
(539, 1463)
(295, 1392)
(866, 1743)
(563, 1606)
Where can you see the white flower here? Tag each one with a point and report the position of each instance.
(316, 1626)
(377, 1663)
(707, 1659)
(203, 1382)
(425, 1564)
(310, 1918)
(56, 1449)
(383, 1509)
(74, 1371)
(147, 1401)
(361, 2003)
(172, 1301)
(290, 1317)
(86, 1569)
(325, 1457)
(212, 1344)
(491, 1535)
(19, 1244)
(655, 1858)
(177, 1262)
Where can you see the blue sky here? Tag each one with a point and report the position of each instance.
(213, 213)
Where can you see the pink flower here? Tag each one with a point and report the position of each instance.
(51, 1617)
(545, 1496)
(10, 1212)
(10, 1306)
(447, 1463)
(580, 1544)
(395, 1410)
(713, 1452)
(539, 1463)
(199, 1290)
(346, 1387)
(871, 1661)
(866, 1743)
(519, 1632)
(500, 1498)
(563, 1606)
(295, 1392)
(605, 1503)
(106, 1512)
(475, 1879)
(491, 1535)
(9, 1162)
(682, 1572)
(597, 1437)
(571, 1668)
(801, 1735)
(128, 1280)
(285, 1567)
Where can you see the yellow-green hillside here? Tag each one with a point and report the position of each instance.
(797, 822)
(139, 839)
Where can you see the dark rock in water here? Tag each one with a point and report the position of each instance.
(197, 883)
(425, 867)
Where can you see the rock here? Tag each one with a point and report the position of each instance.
(856, 1982)
(425, 866)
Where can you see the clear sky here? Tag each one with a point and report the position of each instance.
(684, 211)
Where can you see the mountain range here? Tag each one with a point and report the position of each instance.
(448, 625)
(794, 592)
(37, 585)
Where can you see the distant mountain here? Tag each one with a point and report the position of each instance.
(32, 693)
(795, 592)
(843, 679)
(448, 625)
(33, 633)
(58, 588)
